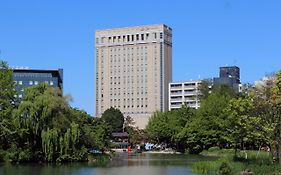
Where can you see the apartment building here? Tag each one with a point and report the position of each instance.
(181, 93)
(133, 70)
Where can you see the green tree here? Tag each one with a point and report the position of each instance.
(205, 90)
(53, 131)
(158, 128)
(242, 125)
(101, 134)
(7, 100)
(166, 127)
(208, 127)
(266, 99)
(113, 117)
(135, 135)
(43, 127)
(276, 112)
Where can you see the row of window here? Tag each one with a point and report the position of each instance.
(34, 82)
(128, 38)
(37, 75)
(188, 103)
(129, 106)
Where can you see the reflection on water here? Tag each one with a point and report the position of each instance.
(136, 164)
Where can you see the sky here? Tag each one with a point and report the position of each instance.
(207, 34)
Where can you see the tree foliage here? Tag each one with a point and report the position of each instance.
(7, 93)
(43, 127)
(165, 127)
(248, 120)
(113, 117)
(267, 101)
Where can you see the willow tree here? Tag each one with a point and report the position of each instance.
(7, 93)
(54, 132)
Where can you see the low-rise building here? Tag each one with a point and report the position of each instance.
(25, 78)
(186, 92)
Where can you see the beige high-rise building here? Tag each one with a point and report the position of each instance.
(133, 70)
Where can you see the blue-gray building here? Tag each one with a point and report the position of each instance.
(229, 75)
(232, 72)
(25, 78)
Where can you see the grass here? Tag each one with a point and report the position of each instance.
(258, 162)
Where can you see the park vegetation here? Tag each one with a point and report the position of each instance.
(43, 127)
(250, 120)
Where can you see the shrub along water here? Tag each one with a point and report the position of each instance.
(259, 162)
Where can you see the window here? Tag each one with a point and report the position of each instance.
(142, 37)
(30, 82)
(137, 36)
(161, 35)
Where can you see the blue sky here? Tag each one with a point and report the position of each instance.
(207, 34)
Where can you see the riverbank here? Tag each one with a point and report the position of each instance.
(149, 152)
(162, 152)
(258, 162)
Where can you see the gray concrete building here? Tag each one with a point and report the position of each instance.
(181, 93)
(133, 70)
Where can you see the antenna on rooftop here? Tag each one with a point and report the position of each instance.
(234, 62)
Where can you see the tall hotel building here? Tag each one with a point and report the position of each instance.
(133, 70)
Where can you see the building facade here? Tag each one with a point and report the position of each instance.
(229, 75)
(133, 70)
(184, 93)
(232, 72)
(25, 78)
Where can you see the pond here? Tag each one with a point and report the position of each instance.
(121, 164)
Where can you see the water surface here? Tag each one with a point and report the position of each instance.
(122, 164)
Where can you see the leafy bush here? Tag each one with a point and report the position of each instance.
(15, 154)
(224, 169)
(195, 150)
(2, 155)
